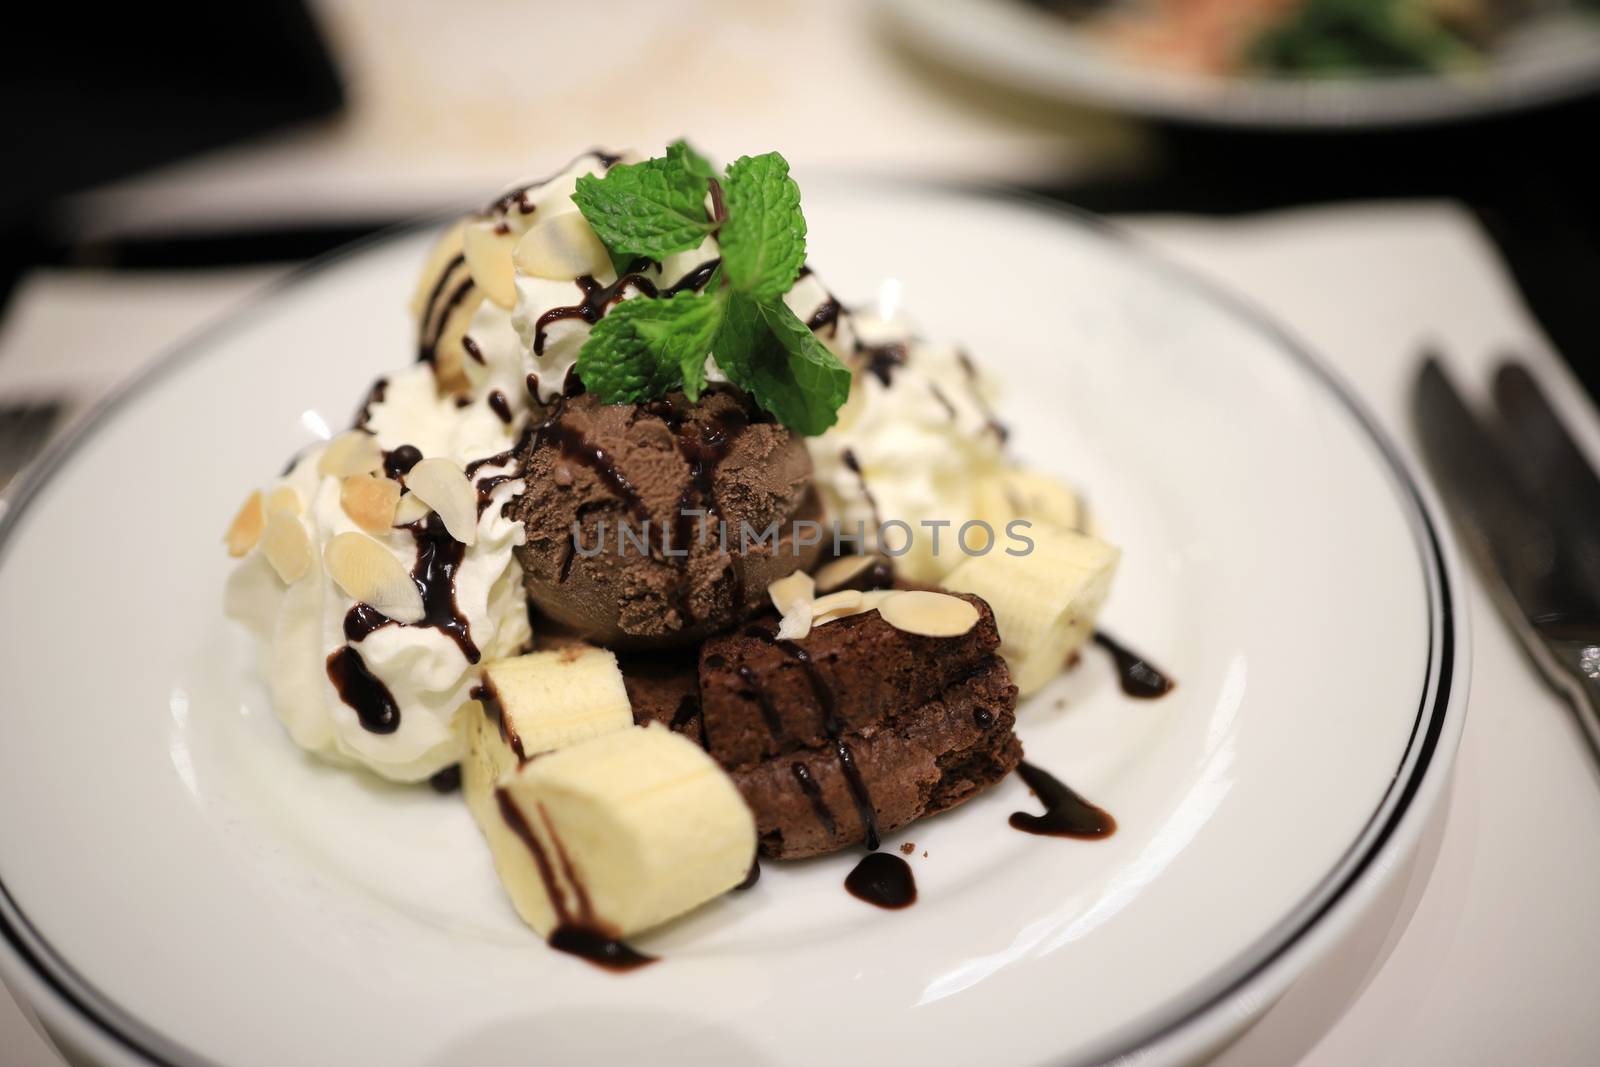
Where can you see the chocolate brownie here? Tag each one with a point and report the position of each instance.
(664, 687)
(761, 697)
(914, 762)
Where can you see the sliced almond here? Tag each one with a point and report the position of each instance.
(790, 590)
(410, 510)
(369, 573)
(796, 622)
(442, 486)
(835, 606)
(370, 501)
(245, 530)
(285, 498)
(562, 247)
(840, 572)
(928, 614)
(869, 600)
(352, 452)
(286, 546)
(487, 248)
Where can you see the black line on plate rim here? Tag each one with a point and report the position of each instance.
(160, 1051)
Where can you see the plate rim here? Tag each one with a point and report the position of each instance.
(32, 966)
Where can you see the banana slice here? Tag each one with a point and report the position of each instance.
(537, 703)
(620, 833)
(443, 305)
(1045, 603)
(1021, 493)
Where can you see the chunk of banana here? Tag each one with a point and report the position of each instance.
(620, 833)
(1021, 493)
(537, 703)
(1045, 602)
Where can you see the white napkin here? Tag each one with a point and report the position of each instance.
(1483, 951)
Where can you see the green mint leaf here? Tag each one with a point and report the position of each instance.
(645, 348)
(680, 153)
(653, 209)
(768, 352)
(764, 239)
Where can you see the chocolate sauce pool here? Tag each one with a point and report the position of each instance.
(1066, 814)
(883, 879)
(1140, 678)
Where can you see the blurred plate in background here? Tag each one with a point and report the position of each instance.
(1542, 59)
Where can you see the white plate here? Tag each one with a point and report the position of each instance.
(182, 886)
(1546, 59)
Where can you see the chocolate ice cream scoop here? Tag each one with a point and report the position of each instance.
(654, 525)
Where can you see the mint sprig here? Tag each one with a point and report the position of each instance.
(764, 240)
(652, 209)
(644, 347)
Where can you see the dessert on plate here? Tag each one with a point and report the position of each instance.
(670, 558)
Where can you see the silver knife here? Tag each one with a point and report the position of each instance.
(1527, 506)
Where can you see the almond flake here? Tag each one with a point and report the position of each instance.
(285, 498)
(839, 572)
(286, 546)
(562, 248)
(790, 590)
(370, 501)
(442, 486)
(835, 606)
(928, 614)
(488, 256)
(410, 510)
(369, 573)
(352, 452)
(245, 530)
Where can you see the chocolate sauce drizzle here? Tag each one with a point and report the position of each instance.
(500, 406)
(1140, 678)
(1066, 814)
(578, 932)
(813, 792)
(363, 691)
(883, 879)
(826, 315)
(575, 447)
(998, 428)
(752, 878)
(769, 712)
(438, 557)
(495, 712)
(398, 462)
(704, 454)
(883, 360)
(470, 347)
(832, 726)
(850, 460)
(447, 780)
(375, 395)
(439, 313)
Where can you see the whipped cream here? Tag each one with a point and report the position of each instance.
(915, 443)
(428, 673)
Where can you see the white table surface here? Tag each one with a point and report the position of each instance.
(1482, 951)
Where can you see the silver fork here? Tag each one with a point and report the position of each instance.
(24, 428)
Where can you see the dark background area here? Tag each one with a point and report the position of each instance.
(141, 88)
